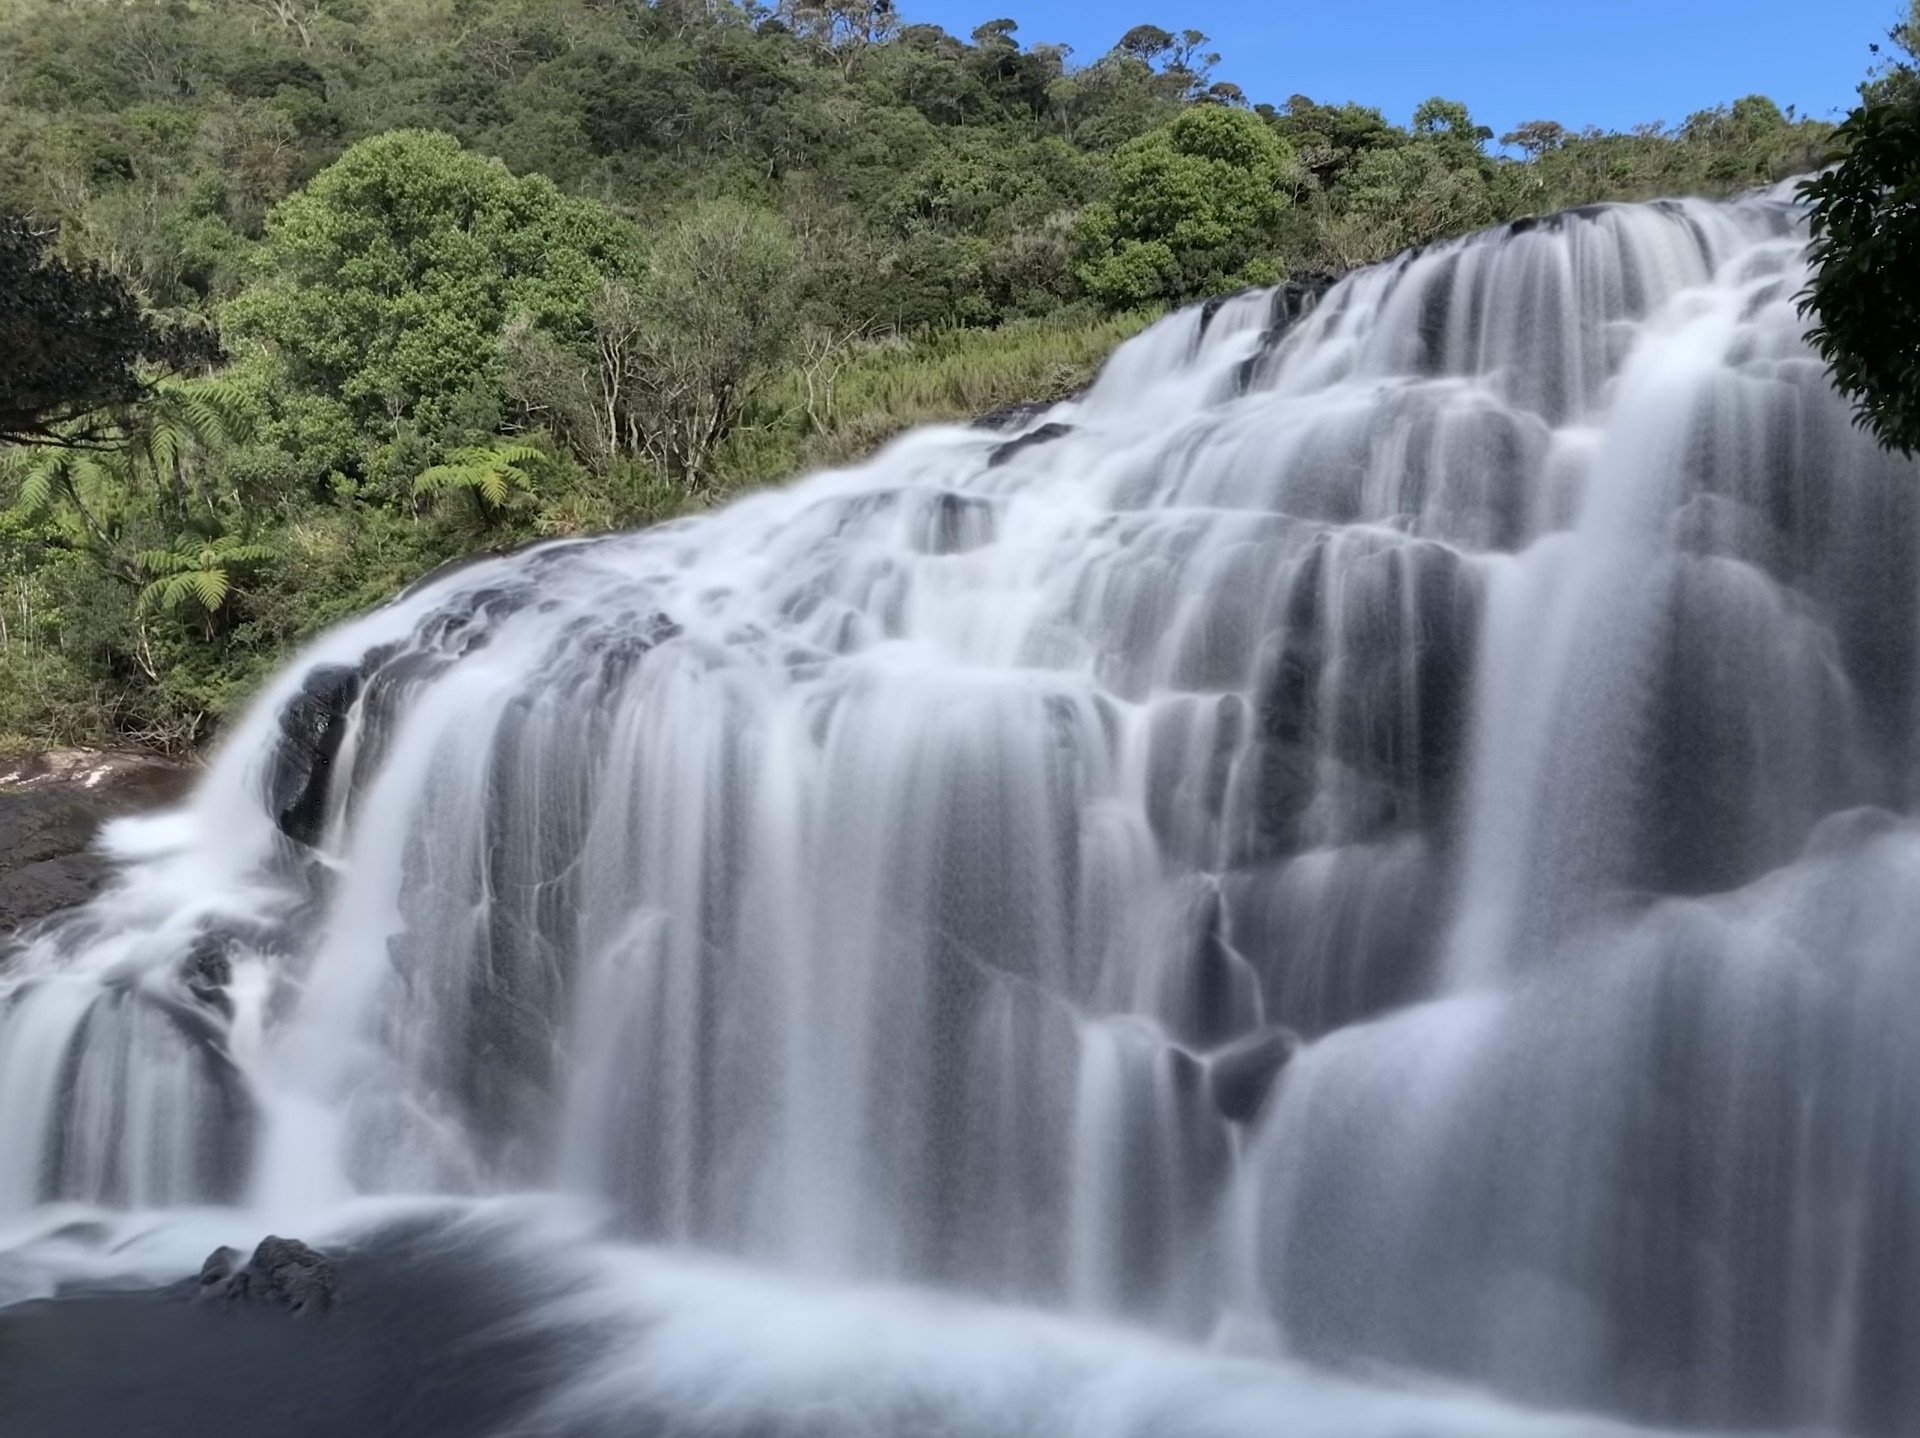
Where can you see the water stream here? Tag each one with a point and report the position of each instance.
(1354, 879)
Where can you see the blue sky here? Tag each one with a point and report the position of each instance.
(1614, 63)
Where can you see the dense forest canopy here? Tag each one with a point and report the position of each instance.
(484, 270)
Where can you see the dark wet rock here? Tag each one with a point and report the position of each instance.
(130, 1032)
(207, 972)
(436, 1342)
(283, 1273)
(1045, 434)
(446, 569)
(313, 725)
(957, 523)
(1217, 993)
(51, 808)
(1339, 936)
(1013, 416)
(1242, 1075)
(220, 1266)
(1303, 289)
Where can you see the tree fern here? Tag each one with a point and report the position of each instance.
(197, 571)
(156, 449)
(493, 473)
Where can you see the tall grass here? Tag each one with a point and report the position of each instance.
(876, 389)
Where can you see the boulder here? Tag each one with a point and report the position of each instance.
(283, 1273)
(1013, 416)
(51, 808)
(1045, 434)
(313, 725)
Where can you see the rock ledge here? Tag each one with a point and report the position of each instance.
(52, 805)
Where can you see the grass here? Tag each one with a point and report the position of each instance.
(883, 387)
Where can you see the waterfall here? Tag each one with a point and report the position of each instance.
(1371, 845)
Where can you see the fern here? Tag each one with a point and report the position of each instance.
(196, 570)
(34, 476)
(492, 473)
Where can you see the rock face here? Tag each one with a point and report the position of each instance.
(51, 807)
(283, 1273)
(314, 724)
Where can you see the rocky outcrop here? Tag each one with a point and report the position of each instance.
(1017, 415)
(313, 725)
(1045, 434)
(283, 1273)
(51, 808)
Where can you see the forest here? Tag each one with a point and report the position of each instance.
(392, 281)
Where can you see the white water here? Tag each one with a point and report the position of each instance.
(884, 882)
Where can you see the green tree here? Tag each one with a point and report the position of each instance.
(1394, 199)
(1864, 296)
(1449, 122)
(1193, 211)
(75, 342)
(711, 320)
(387, 281)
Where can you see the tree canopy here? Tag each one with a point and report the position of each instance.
(1865, 294)
(385, 282)
(1194, 208)
(75, 338)
(490, 269)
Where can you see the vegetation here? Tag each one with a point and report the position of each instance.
(75, 338)
(484, 270)
(1865, 217)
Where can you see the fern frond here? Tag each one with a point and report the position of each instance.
(227, 406)
(163, 593)
(210, 587)
(250, 554)
(517, 455)
(161, 561)
(165, 444)
(39, 480)
(442, 476)
(94, 470)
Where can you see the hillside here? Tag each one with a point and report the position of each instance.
(481, 272)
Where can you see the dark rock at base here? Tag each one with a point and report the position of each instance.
(220, 1266)
(1013, 416)
(439, 1340)
(313, 725)
(1045, 434)
(51, 808)
(283, 1273)
(1242, 1075)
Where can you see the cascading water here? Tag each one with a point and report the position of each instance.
(1375, 837)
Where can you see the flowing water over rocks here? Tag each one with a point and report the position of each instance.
(1354, 879)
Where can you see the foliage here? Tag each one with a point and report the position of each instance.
(196, 571)
(74, 337)
(1193, 211)
(387, 280)
(712, 319)
(496, 269)
(492, 474)
(1865, 220)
